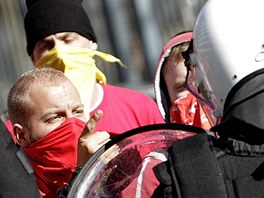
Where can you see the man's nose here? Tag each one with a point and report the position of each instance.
(53, 40)
(69, 114)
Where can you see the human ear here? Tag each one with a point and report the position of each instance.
(20, 135)
(93, 45)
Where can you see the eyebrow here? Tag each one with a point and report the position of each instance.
(78, 104)
(60, 35)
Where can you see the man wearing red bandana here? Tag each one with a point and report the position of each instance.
(48, 118)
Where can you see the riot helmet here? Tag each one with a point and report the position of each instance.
(228, 45)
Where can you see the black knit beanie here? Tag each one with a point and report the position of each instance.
(47, 17)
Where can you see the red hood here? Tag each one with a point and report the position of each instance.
(160, 89)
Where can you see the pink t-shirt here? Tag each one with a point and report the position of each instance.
(125, 109)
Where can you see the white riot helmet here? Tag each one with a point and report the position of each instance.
(228, 45)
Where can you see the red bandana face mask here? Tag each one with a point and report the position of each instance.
(54, 157)
(187, 110)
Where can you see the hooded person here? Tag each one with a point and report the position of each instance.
(175, 102)
(60, 35)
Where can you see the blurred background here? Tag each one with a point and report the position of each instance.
(132, 30)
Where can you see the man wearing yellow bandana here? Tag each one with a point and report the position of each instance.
(59, 35)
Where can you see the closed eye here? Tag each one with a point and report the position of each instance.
(54, 118)
(78, 112)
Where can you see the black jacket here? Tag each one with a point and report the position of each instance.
(231, 166)
(16, 173)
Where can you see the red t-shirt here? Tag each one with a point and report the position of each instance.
(10, 129)
(125, 109)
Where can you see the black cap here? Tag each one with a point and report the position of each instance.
(47, 17)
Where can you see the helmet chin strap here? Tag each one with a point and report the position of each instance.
(195, 94)
(189, 58)
(216, 111)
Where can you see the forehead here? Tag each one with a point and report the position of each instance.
(42, 93)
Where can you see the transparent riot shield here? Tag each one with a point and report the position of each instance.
(124, 166)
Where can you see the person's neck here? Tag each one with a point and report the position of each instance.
(97, 96)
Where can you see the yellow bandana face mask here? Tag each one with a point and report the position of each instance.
(79, 66)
